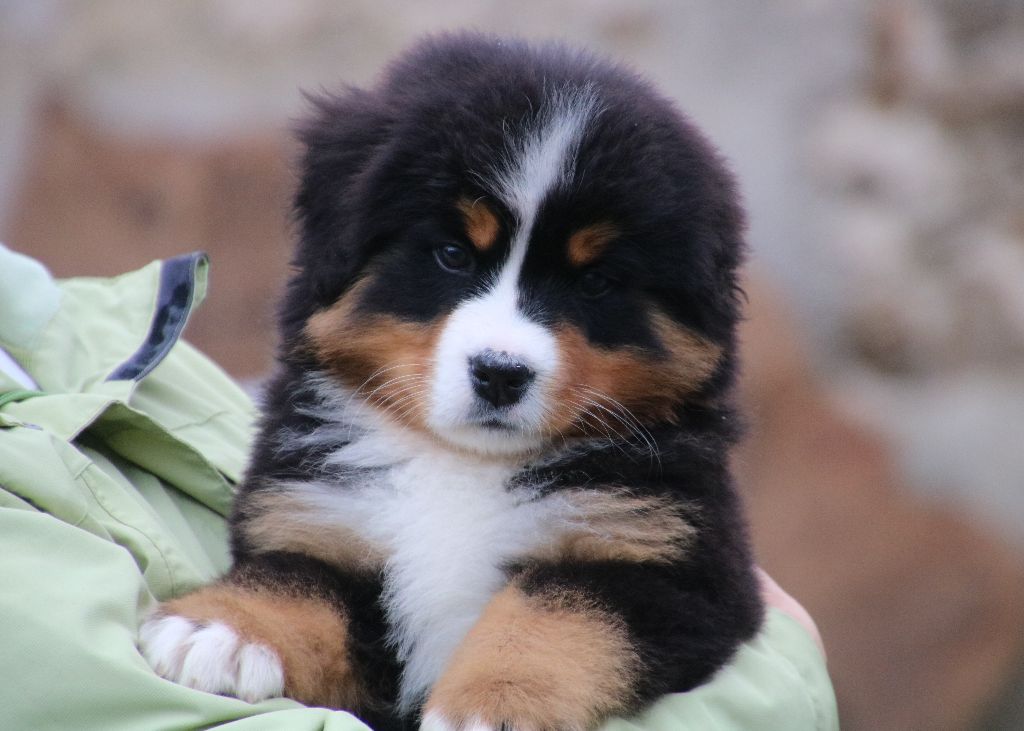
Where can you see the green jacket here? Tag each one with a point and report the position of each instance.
(119, 447)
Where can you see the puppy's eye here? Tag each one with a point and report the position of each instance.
(595, 284)
(453, 257)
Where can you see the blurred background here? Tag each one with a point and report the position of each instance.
(880, 148)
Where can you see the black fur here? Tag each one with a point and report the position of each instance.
(379, 177)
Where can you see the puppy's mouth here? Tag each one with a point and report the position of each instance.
(496, 423)
(486, 429)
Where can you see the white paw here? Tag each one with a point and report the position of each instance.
(435, 721)
(211, 657)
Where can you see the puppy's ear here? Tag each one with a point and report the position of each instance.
(341, 137)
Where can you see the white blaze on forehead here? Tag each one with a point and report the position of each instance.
(539, 161)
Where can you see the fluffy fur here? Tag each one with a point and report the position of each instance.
(495, 455)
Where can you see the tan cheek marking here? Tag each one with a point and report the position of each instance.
(589, 242)
(308, 635)
(386, 358)
(538, 664)
(616, 525)
(285, 521)
(649, 387)
(482, 225)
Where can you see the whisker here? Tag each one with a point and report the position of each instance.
(629, 424)
(396, 379)
(380, 371)
(390, 400)
(410, 404)
(604, 429)
(591, 403)
(630, 421)
(549, 432)
(393, 403)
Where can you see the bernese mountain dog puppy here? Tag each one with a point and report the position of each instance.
(491, 489)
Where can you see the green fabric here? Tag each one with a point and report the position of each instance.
(12, 396)
(28, 298)
(113, 496)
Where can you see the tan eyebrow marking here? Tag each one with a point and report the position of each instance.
(587, 244)
(482, 225)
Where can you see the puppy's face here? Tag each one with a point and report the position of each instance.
(518, 267)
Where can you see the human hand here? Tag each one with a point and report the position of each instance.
(775, 596)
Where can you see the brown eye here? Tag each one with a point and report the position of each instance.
(594, 284)
(453, 258)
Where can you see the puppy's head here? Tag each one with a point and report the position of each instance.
(505, 245)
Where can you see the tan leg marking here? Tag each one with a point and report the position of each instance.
(543, 664)
(288, 520)
(587, 244)
(386, 358)
(650, 387)
(482, 226)
(308, 635)
(616, 525)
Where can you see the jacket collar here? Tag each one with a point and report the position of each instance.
(82, 334)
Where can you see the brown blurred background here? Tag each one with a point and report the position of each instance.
(880, 146)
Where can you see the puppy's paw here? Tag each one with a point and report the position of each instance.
(535, 664)
(211, 657)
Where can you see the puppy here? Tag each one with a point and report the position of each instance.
(491, 488)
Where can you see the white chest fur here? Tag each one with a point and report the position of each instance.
(447, 526)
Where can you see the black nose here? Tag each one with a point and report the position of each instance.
(498, 378)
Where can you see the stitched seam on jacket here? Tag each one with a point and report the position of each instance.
(86, 479)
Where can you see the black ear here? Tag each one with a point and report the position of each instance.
(341, 139)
